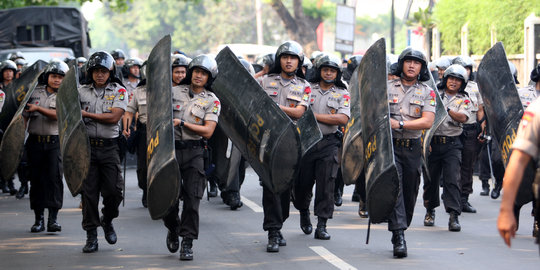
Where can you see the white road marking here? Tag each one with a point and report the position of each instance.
(331, 258)
(256, 208)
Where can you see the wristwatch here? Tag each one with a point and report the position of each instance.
(447, 110)
(401, 124)
(181, 123)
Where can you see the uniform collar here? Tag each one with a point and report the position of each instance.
(286, 82)
(324, 92)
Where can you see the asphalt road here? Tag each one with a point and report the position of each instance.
(235, 239)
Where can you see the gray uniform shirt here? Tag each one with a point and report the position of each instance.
(332, 101)
(407, 105)
(476, 100)
(291, 93)
(138, 104)
(527, 95)
(130, 86)
(39, 124)
(528, 134)
(459, 103)
(204, 106)
(114, 96)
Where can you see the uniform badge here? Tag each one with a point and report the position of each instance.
(216, 107)
(417, 110)
(306, 97)
(432, 102)
(395, 100)
(307, 90)
(312, 100)
(333, 111)
(467, 103)
(122, 92)
(527, 117)
(417, 102)
(273, 83)
(274, 93)
(347, 98)
(432, 95)
(178, 107)
(2, 95)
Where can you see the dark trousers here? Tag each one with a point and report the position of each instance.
(469, 139)
(142, 167)
(445, 160)
(276, 208)
(104, 177)
(408, 163)
(319, 166)
(191, 163)
(47, 189)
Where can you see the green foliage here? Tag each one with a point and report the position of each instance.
(423, 19)
(505, 17)
(368, 27)
(326, 10)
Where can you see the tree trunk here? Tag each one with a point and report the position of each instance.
(300, 28)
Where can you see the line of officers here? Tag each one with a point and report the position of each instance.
(112, 107)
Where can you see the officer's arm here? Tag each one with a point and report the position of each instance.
(506, 222)
(480, 113)
(205, 130)
(106, 118)
(457, 116)
(295, 112)
(126, 121)
(332, 119)
(49, 113)
(424, 122)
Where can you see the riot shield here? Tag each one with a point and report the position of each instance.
(16, 91)
(382, 183)
(503, 109)
(309, 131)
(263, 133)
(427, 135)
(12, 145)
(352, 157)
(74, 143)
(163, 171)
(225, 156)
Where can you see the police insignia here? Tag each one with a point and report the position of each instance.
(467, 103)
(527, 117)
(306, 97)
(432, 102)
(417, 102)
(216, 107)
(178, 106)
(347, 98)
(333, 111)
(2, 95)
(307, 90)
(122, 92)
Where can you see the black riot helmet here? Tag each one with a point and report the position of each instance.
(353, 63)
(205, 62)
(513, 70)
(180, 60)
(55, 66)
(456, 71)
(118, 53)
(465, 62)
(247, 66)
(535, 73)
(413, 54)
(102, 59)
(289, 48)
(332, 61)
(264, 60)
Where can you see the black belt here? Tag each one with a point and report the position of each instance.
(405, 142)
(470, 126)
(100, 142)
(188, 144)
(444, 139)
(44, 138)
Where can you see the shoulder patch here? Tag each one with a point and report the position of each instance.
(122, 92)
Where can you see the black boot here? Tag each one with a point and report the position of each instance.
(338, 199)
(22, 190)
(485, 188)
(282, 242)
(91, 241)
(465, 205)
(234, 200)
(305, 222)
(453, 222)
(144, 200)
(186, 252)
(11, 186)
(273, 241)
(108, 229)
(362, 209)
(52, 225)
(496, 192)
(173, 244)
(429, 219)
(320, 232)
(213, 189)
(39, 225)
(400, 245)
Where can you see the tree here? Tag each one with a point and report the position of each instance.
(424, 23)
(308, 15)
(505, 18)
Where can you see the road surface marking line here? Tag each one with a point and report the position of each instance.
(331, 258)
(252, 205)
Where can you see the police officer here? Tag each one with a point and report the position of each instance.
(442, 64)
(195, 115)
(103, 101)
(179, 68)
(471, 132)
(266, 63)
(133, 67)
(119, 60)
(8, 69)
(330, 104)
(43, 148)
(412, 109)
(81, 61)
(445, 156)
(285, 84)
(530, 92)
